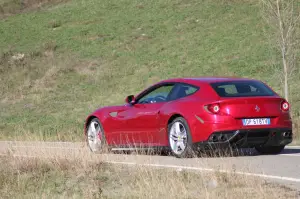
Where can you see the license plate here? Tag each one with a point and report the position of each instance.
(258, 121)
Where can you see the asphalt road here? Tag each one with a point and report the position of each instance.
(283, 168)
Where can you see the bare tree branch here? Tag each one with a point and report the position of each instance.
(283, 16)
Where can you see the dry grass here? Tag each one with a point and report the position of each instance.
(296, 129)
(55, 178)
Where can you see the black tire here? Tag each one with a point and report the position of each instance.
(188, 151)
(103, 144)
(271, 150)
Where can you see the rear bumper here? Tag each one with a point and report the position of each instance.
(247, 138)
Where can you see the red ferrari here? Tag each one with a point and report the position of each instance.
(188, 114)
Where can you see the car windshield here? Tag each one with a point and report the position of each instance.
(242, 89)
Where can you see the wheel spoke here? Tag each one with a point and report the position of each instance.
(90, 134)
(93, 128)
(175, 147)
(90, 138)
(174, 137)
(173, 130)
(181, 145)
(177, 128)
(178, 148)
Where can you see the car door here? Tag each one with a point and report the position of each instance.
(143, 118)
(115, 124)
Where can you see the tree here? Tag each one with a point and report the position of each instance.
(283, 17)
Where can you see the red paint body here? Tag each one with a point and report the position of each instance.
(146, 124)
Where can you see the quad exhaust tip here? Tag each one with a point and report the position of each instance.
(214, 138)
(219, 138)
(287, 134)
(222, 138)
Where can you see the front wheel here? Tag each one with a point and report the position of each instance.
(180, 140)
(269, 149)
(95, 136)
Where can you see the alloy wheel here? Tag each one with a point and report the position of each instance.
(94, 136)
(178, 137)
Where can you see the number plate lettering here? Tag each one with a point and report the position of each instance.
(256, 121)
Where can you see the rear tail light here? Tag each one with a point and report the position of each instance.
(213, 108)
(285, 106)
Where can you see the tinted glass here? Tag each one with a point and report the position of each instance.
(242, 89)
(160, 94)
(183, 90)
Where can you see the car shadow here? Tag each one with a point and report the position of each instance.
(202, 154)
(224, 154)
(211, 154)
(247, 152)
(291, 151)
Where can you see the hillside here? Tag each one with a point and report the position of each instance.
(61, 61)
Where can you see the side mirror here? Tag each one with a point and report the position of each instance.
(130, 99)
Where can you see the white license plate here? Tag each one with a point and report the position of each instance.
(258, 121)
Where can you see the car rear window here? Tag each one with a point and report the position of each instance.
(242, 89)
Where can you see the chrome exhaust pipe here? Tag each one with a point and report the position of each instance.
(214, 138)
(222, 138)
(285, 134)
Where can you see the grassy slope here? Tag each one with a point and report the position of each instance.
(54, 178)
(84, 54)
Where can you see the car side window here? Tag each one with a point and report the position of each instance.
(157, 95)
(229, 89)
(190, 90)
(182, 90)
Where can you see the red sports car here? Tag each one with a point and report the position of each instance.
(188, 114)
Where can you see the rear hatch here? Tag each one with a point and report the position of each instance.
(250, 101)
(254, 107)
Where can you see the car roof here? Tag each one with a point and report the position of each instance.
(207, 80)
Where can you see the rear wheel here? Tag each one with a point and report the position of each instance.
(180, 140)
(269, 149)
(95, 136)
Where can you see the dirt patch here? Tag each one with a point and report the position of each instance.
(11, 7)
